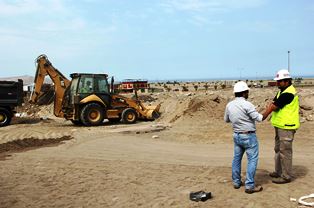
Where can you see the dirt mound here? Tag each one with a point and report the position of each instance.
(34, 111)
(178, 107)
(212, 107)
(30, 143)
(145, 98)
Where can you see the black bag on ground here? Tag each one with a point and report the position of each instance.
(200, 196)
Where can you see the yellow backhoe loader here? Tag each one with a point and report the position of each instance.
(88, 98)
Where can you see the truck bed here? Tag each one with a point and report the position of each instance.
(11, 93)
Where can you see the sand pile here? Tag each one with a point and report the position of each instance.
(193, 116)
(194, 153)
(190, 114)
(30, 143)
(178, 107)
(306, 104)
(209, 106)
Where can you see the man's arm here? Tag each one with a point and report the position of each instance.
(270, 108)
(226, 116)
(253, 114)
(283, 100)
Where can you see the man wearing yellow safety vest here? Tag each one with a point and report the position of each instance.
(285, 119)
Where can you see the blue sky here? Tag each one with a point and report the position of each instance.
(158, 39)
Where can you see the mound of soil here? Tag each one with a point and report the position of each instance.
(30, 143)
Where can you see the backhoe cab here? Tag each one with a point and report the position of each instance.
(88, 99)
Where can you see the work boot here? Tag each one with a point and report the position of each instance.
(237, 186)
(253, 190)
(281, 180)
(274, 175)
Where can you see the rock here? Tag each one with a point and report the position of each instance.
(155, 136)
(306, 107)
(44, 118)
(115, 199)
(302, 120)
(309, 118)
(217, 99)
(158, 125)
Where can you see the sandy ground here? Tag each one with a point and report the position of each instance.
(148, 164)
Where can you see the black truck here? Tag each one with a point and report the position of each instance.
(11, 96)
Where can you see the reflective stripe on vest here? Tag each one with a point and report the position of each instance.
(288, 116)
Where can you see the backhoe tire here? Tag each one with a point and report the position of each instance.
(114, 120)
(77, 122)
(92, 114)
(5, 117)
(129, 116)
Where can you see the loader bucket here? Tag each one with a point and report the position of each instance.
(152, 112)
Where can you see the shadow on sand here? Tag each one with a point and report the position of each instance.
(262, 176)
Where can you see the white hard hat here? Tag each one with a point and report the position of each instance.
(282, 74)
(240, 87)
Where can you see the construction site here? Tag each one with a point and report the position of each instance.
(156, 104)
(172, 142)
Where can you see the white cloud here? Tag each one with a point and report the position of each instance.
(51, 17)
(200, 20)
(202, 12)
(190, 5)
(18, 7)
(22, 7)
(245, 4)
(71, 24)
(210, 5)
(52, 27)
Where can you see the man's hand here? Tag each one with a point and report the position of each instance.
(270, 108)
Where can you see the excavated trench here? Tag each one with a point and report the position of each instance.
(26, 144)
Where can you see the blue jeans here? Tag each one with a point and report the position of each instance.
(245, 143)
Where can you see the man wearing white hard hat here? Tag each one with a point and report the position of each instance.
(285, 119)
(243, 115)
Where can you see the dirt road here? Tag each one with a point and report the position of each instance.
(124, 166)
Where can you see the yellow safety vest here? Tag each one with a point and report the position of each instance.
(288, 116)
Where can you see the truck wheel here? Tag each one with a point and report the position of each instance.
(5, 117)
(129, 116)
(92, 114)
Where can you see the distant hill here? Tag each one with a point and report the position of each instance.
(27, 80)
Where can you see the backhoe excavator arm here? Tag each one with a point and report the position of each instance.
(44, 68)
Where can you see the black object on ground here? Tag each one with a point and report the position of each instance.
(200, 196)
